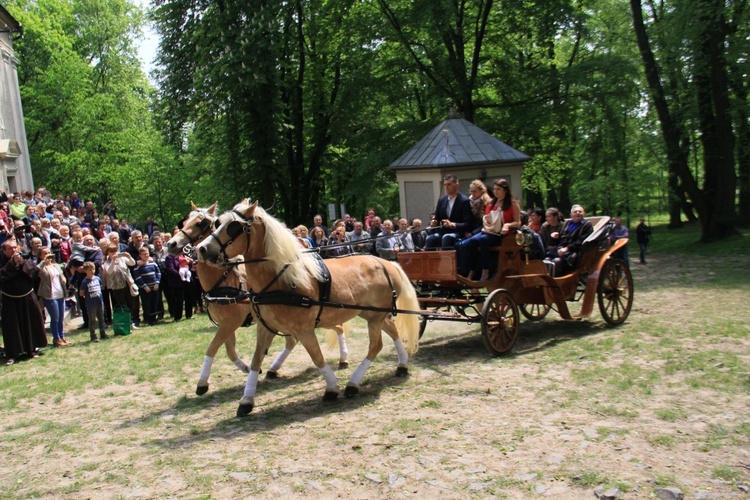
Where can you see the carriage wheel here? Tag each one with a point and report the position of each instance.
(422, 324)
(615, 291)
(499, 322)
(534, 312)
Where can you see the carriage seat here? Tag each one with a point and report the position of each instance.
(600, 232)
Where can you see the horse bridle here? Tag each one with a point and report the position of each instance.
(234, 229)
(204, 225)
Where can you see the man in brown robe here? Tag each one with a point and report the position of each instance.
(22, 322)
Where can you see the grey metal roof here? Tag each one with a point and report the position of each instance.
(457, 142)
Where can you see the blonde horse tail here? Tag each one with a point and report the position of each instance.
(332, 334)
(407, 324)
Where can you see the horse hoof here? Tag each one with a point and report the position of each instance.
(402, 371)
(351, 391)
(201, 390)
(272, 375)
(343, 365)
(244, 410)
(330, 396)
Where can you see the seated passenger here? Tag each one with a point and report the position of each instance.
(550, 232)
(536, 217)
(453, 211)
(502, 214)
(479, 200)
(536, 248)
(572, 235)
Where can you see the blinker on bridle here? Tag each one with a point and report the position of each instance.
(204, 225)
(234, 229)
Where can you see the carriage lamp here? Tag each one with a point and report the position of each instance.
(524, 238)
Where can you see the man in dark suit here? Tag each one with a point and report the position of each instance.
(454, 212)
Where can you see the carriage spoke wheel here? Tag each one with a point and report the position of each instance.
(615, 291)
(499, 322)
(534, 312)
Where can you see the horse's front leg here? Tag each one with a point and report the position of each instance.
(273, 371)
(231, 347)
(310, 342)
(264, 338)
(223, 333)
(376, 345)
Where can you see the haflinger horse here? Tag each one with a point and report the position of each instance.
(281, 273)
(229, 317)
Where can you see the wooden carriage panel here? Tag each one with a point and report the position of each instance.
(437, 266)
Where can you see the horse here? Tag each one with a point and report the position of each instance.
(229, 317)
(362, 285)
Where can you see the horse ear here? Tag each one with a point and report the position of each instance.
(192, 205)
(251, 209)
(246, 201)
(212, 208)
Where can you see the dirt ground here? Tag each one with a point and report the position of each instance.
(463, 424)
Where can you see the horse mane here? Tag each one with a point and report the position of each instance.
(282, 248)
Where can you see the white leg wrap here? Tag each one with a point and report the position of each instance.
(251, 386)
(359, 373)
(241, 365)
(343, 351)
(206, 370)
(331, 381)
(279, 360)
(403, 356)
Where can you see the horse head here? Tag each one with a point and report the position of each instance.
(226, 241)
(249, 231)
(192, 229)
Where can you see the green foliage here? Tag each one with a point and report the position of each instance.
(88, 106)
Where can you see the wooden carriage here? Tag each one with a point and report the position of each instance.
(522, 285)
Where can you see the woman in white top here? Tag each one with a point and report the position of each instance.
(52, 290)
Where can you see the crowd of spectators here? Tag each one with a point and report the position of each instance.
(56, 240)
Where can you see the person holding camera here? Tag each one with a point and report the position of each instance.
(22, 322)
(53, 289)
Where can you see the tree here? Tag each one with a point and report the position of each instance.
(715, 201)
(87, 103)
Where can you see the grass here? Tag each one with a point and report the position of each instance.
(671, 382)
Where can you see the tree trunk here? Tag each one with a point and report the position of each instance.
(742, 124)
(715, 122)
(677, 164)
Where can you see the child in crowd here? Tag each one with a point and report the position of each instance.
(183, 262)
(147, 277)
(91, 291)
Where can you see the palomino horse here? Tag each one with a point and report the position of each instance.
(229, 317)
(278, 268)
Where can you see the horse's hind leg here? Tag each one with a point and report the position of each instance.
(273, 371)
(376, 345)
(264, 337)
(389, 327)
